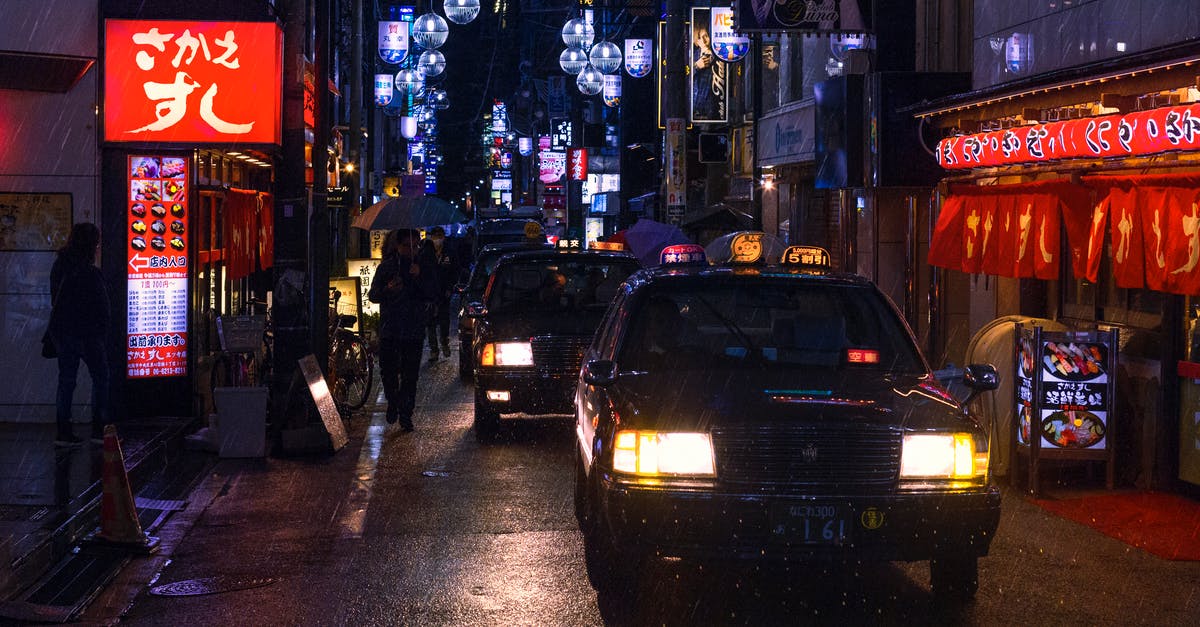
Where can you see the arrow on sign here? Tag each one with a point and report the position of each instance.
(145, 262)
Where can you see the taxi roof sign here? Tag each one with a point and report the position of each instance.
(569, 244)
(746, 247)
(805, 256)
(606, 245)
(682, 254)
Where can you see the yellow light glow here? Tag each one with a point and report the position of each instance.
(941, 456)
(964, 456)
(514, 354)
(652, 453)
(488, 356)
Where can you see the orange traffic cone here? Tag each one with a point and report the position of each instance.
(118, 516)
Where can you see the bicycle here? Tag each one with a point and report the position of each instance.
(351, 361)
(245, 355)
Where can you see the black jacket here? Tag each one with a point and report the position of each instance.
(403, 310)
(79, 296)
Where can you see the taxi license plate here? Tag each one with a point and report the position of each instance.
(809, 523)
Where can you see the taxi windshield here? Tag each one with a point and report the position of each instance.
(758, 324)
(557, 284)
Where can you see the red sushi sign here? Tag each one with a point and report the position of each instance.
(192, 82)
(1133, 134)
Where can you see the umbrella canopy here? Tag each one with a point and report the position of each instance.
(646, 239)
(407, 212)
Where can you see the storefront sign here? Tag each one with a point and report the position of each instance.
(552, 165)
(385, 88)
(708, 78)
(577, 164)
(189, 82)
(787, 137)
(365, 269)
(561, 133)
(639, 57)
(525, 146)
(1064, 393)
(801, 16)
(1132, 134)
(728, 45)
(612, 90)
(676, 164)
(556, 96)
(393, 41)
(157, 266)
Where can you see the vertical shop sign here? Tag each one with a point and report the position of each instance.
(676, 163)
(177, 81)
(577, 164)
(393, 41)
(639, 57)
(612, 90)
(1064, 395)
(365, 269)
(728, 45)
(157, 268)
(385, 88)
(707, 77)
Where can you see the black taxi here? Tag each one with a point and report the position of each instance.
(773, 412)
(472, 292)
(537, 316)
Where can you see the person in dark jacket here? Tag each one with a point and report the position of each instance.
(405, 290)
(446, 262)
(79, 319)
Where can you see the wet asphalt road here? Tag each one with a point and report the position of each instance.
(432, 528)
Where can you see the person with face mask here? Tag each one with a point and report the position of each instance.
(405, 289)
(438, 328)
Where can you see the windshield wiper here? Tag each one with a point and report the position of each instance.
(751, 349)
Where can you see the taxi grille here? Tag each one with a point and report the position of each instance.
(814, 459)
(556, 354)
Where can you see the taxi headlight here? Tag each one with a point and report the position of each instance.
(942, 456)
(655, 453)
(507, 354)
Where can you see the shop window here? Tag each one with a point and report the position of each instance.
(1103, 301)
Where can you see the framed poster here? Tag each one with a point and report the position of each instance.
(708, 76)
(34, 222)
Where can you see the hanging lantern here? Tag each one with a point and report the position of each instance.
(432, 62)
(383, 89)
(606, 56)
(590, 81)
(438, 99)
(408, 127)
(461, 11)
(612, 90)
(410, 81)
(430, 31)
(573, 60)
(577, 33)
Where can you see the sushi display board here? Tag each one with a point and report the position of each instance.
(157, 266)
(1065, 385)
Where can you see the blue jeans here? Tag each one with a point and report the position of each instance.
(70, 351)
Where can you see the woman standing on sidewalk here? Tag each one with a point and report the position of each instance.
(78, 325)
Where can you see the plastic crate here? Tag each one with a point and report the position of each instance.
(241, 334)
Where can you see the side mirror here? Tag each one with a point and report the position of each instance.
(980, 378)
(600, 372)
(475, 310)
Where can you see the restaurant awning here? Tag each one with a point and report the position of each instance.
(1014, 230)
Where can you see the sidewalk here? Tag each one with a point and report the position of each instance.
(50, 497)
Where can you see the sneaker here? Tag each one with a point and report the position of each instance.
(68, 440)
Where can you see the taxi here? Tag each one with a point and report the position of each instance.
(472, 292)
(773, 412)
(538, 314)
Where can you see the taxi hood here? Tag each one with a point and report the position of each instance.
(523, 324)
(701, 399)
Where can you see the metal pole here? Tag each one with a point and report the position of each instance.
(319, 224)
(675, 97)
(354, 181)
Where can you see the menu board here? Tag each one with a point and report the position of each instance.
(157, 266)
(1074, 395)
(364, 269)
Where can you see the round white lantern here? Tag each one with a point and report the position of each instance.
(438, 99)
(410, 81)
(577, 33)
(430, 31)
(432, 62)
(461, 11)
(590, 81)
(408, 127)
(606, 56)
(572, 60)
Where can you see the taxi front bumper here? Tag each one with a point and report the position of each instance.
(530, 392)
(886, 527)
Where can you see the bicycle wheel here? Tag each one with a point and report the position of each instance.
(353, 369)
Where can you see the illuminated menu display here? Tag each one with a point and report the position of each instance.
(157, 267)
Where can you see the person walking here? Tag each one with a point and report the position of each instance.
(404, 288)
(79, 318)
(446, 262)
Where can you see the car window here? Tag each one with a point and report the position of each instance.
(757, 324)
(557, 284)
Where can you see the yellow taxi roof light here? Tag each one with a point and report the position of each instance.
(805, 256)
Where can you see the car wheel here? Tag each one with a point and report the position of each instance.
(611, 571)
(465, 371)
(487, 419)
(954, 577)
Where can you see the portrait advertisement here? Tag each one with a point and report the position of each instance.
(708, 77)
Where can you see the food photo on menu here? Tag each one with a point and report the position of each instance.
(172, 167)
(145, 190)
(144, 168)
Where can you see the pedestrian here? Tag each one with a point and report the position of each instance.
(446, 262)
(404, 290)
(79, 318)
